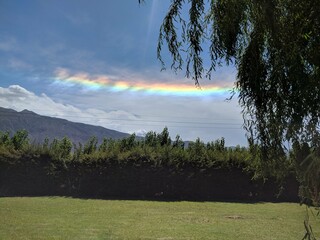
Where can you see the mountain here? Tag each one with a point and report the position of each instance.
(39, 127)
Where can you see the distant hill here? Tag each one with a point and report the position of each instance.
(39, 127)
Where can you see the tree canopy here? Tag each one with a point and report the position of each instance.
(275, 46)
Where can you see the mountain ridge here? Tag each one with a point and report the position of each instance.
(40, 127)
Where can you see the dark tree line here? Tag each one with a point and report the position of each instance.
(136, 167)
(154, 148)
(160, 151)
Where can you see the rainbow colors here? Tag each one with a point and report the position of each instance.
(134, 85)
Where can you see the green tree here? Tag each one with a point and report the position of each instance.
(217, 145)
(164, 137)
(178, 142)
(197, 152)
(90, 146)
(104, 145)
(128, 143)
(151, 139)
(61, 149)
(20, 139)
(5, 138)
(274, 44)
(65, 147)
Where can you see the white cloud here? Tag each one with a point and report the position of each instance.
(208, 118)
(141, 132)
(18, 98)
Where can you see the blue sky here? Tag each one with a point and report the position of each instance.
(113, 40)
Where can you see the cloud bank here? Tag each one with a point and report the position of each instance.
(134, 113)
(19, 98)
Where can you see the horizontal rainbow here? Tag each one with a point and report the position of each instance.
(103, 82)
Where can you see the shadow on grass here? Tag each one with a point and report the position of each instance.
(160, 199)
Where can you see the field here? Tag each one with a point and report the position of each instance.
(67, 218)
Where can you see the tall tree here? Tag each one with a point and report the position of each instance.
(275, 46)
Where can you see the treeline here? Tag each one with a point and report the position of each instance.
(151, 166)
(156, 149)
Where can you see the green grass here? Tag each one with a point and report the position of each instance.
(66, 218)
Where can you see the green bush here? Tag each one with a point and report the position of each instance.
(155, 150)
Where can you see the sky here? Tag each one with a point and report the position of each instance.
(95, 62)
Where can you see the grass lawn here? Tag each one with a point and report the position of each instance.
(67, 218)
